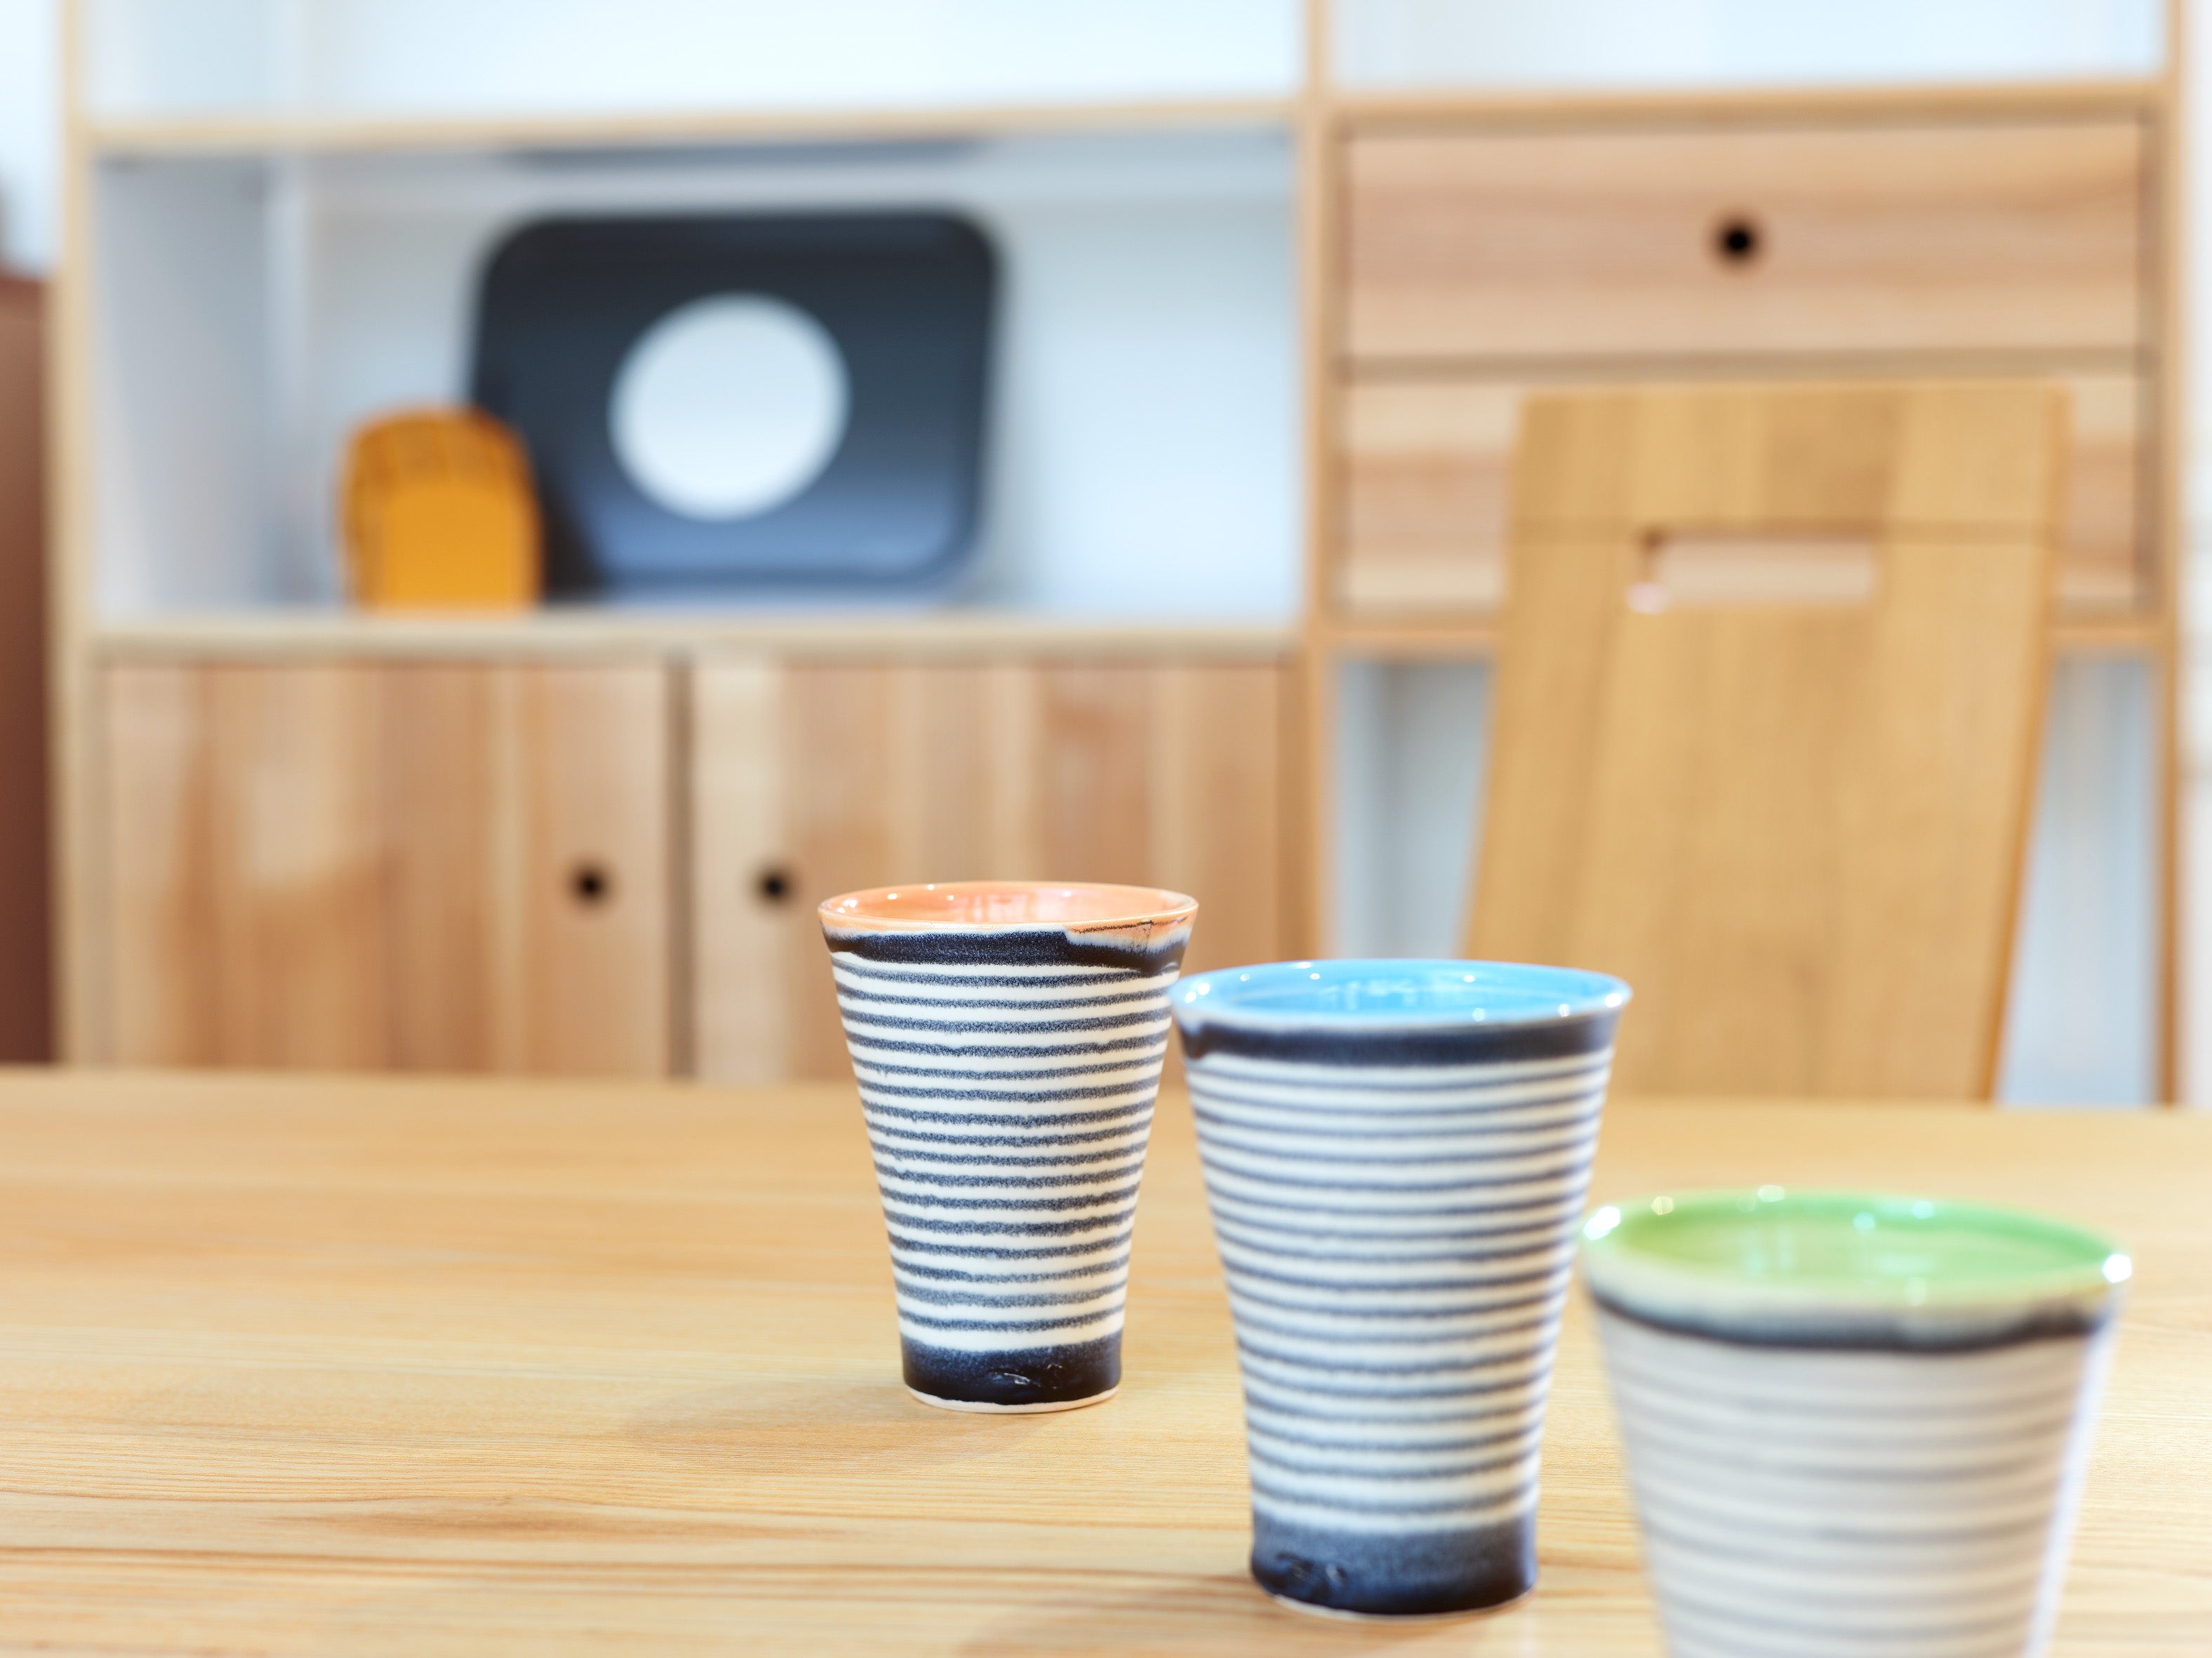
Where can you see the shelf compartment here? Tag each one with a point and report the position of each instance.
(1142, 425)
(1425, 466)
(1686, 48)
(429, 59)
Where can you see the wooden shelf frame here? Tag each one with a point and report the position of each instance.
(1319, 115)
(1763, 106)
(2134, 634)
(941, 635)
(142, 138)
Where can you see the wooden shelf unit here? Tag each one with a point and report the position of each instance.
(1328, 124)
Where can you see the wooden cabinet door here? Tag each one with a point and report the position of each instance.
(414, 867)
(811, 779)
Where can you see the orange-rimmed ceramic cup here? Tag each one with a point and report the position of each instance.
(1007, 1038)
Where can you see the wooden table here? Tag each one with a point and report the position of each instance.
(365, 1366)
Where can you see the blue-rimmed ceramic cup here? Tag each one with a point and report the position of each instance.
(1856, 1425)
(1396, 1154)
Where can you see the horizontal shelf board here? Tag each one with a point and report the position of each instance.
(2080, 633)
(1751, 362)
(1794, 105)
(2128, 633)
(557, 632)
(284, 134)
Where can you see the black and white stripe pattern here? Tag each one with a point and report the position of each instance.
(1823, 1503)
(1397, 1227)
(1008, 1082)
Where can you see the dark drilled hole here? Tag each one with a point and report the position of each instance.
(1736, 239)
(591, 883)
(775, 885)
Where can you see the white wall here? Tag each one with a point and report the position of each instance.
(1704, 43)
(30, 132)
(427, 57)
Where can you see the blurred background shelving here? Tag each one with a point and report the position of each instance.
(1276, 278)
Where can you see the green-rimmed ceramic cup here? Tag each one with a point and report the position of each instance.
(1855, 1424)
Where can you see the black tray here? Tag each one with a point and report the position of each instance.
(907, 297)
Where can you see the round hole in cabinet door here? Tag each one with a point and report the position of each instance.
(591, 883)
(1738, 240)
(775, 885)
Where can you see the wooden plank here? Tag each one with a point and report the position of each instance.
(741, 936)
(1983, 235)
(1372, 110)
(1796, 830)
(438, 767)
(1309, 871)
(1218, 759)
(582, 981)
(290, 133)
(1427, 465)
(82, 983)
(1968, 460)
(246, 893)
(296, 870)
(350, 865)
(276, 632)
(161, 1005)
(837, 759)
(2132, 633)
(1096, 724)
(2170, 292)
(1427, 469)
(359, 1366)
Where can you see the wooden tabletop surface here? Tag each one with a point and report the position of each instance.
(334, 1366)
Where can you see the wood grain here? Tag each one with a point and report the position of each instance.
(275, 633)
(1427, 473)
(1795, 829)
(1969, 235)
(377, 1366)
(346, 865)
(836, 776)
(290, 133)
(2172, 186)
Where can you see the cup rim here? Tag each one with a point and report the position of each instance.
(1500, 995)
(2083, 1277)
(1117, 907)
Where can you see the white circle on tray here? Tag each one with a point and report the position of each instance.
(729, 406)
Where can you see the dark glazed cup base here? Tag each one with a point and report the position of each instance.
(1030, 1378)
(1396, 1575)
(985, 1410)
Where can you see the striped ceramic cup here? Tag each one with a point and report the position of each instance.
(1396, 1155)
(1854, 1425)
(1007, 1038)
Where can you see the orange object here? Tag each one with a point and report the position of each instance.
(439, 511)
